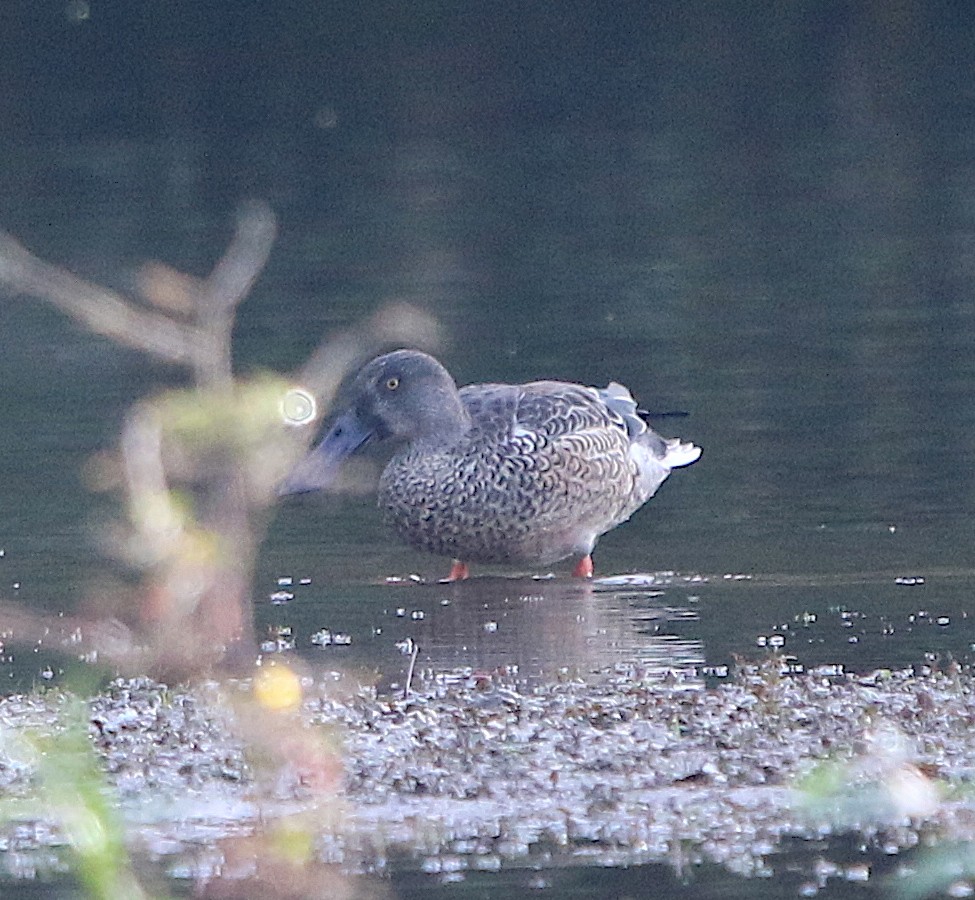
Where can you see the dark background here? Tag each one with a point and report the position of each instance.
(761, 213)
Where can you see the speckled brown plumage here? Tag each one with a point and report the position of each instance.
(495, 473)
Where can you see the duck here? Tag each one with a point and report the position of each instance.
(513, 474)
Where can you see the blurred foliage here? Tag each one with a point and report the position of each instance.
(71, 790)
(880, 784)
(195, 472)
(945, 870)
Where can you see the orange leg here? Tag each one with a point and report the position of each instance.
(458, 571)
(583, 568)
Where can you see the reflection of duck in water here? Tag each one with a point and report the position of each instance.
(497, 473)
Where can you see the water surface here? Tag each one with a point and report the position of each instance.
(765, 221)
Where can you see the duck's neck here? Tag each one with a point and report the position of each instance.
(443, 419)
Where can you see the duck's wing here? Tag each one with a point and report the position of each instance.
(542, 412)
(594, 418)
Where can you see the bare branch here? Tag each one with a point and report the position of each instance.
(97, 308)
(108, 638)
(337, 354)
(200, 465)
(245, 258)
(227, 285)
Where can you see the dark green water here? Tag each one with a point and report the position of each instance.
(765, 220)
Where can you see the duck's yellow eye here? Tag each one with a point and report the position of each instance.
(392, 383)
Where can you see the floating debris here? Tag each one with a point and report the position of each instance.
(399, 579)
(474, 770)
(327, 638)
(775, 641)
(281, 639)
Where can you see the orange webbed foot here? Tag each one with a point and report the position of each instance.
(583, 568)
(459, 571)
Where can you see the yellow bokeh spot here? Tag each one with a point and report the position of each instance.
(277, 688)
(293, 843)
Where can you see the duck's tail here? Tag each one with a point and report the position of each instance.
(669, 453)
(679, 453)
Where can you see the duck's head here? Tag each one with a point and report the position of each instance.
(405, 396)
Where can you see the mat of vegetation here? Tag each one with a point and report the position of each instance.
(477, 771)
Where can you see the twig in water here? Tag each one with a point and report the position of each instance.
(409, 671)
